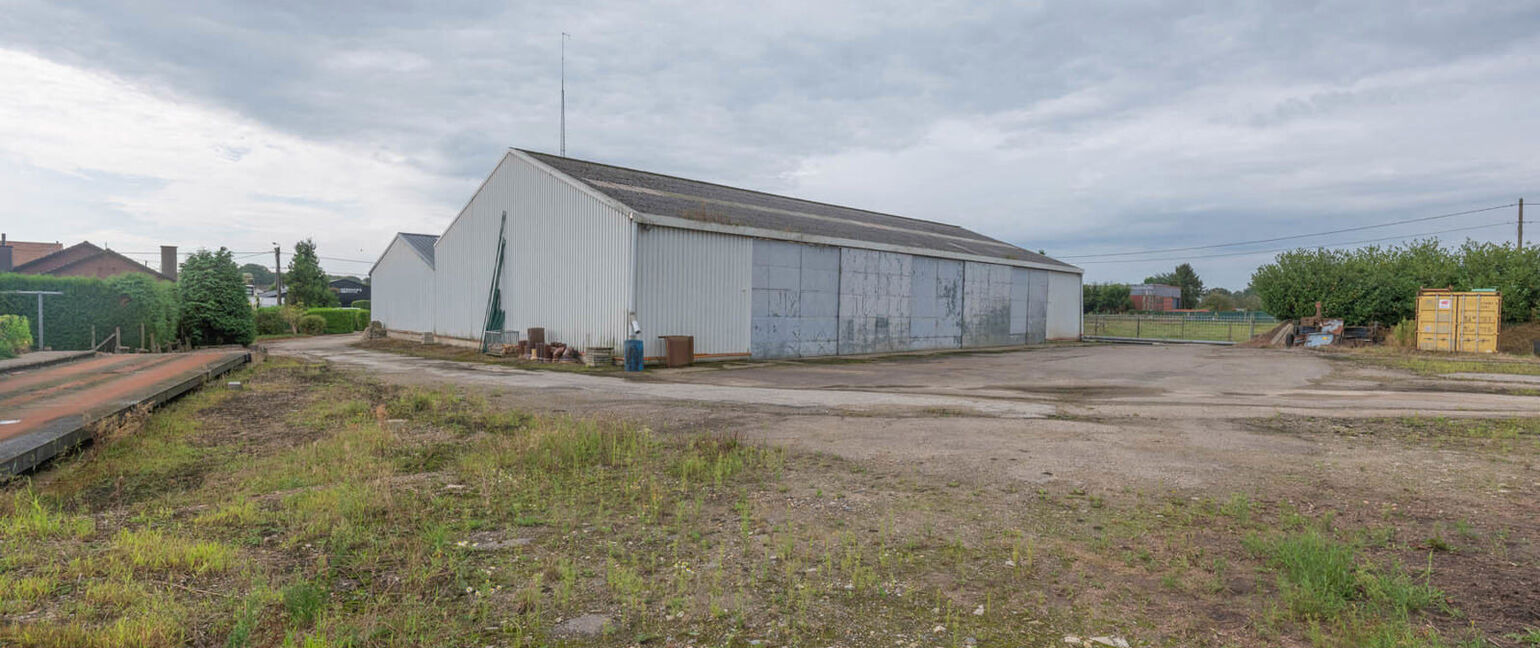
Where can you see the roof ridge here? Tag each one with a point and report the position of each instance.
(755, 191)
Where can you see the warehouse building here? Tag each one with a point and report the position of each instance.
(591, 252)
(1156, 297)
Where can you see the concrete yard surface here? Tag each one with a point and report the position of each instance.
(1101, 414)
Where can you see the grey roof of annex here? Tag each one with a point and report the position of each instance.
(421, 243)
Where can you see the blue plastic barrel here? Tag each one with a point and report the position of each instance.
(633, 355)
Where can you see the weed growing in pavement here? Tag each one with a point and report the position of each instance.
(1342, 599)
(1434, 364)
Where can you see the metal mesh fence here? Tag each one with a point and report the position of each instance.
(1212, 327)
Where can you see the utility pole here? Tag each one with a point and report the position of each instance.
(564, 37)
(1521, 223)
(277, 275)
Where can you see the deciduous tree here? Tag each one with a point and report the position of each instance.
(1183, 277)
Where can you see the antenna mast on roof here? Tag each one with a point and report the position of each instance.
(564, 37)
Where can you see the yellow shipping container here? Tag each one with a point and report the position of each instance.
(1467, 322)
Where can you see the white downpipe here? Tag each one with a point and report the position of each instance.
(631, 320)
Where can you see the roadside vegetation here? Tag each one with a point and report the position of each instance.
(1438, 363)
(318, 508)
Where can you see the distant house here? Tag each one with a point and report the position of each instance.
(271, 297)
(349, 290)
(17, 253)
(79, 260)
(1155, 297)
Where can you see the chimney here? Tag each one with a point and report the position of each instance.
(168, 261)
(5, 254)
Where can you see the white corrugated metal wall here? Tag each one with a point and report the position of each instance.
(694, 283)
(1064, 306)
(401, 290)
(567, 266)
(463, 258)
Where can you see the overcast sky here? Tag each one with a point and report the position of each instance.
(1071, 127)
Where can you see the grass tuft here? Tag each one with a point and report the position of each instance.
(24, 515)
(154, 550)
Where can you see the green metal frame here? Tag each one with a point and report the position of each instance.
(495, 313)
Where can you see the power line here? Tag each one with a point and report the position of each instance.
(184, 253)
(1253, 252)
(1290, 237)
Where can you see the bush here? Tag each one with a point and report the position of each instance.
(361, 322)
(125, 301)
(312, 325)
(360, 303)
(270, 321)
(338, 320)
(15, 335)
(1403, 335)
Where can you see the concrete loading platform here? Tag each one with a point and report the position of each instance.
(48, 409)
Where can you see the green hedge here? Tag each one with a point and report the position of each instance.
(360, 303)
(270, 321)
(338, 320)
(15, 335)
(1379, 284)
(125, 301)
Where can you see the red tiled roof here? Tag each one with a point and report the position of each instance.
(28, 251)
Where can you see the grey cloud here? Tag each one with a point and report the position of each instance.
(750, 95)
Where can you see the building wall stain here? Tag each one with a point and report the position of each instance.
(795, 300)
(987, 305)
(813, 300)
(874, 301)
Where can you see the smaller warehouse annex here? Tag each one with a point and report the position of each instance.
(587, 250)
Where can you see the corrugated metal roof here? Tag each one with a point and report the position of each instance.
(662, 195)
(421, 243)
